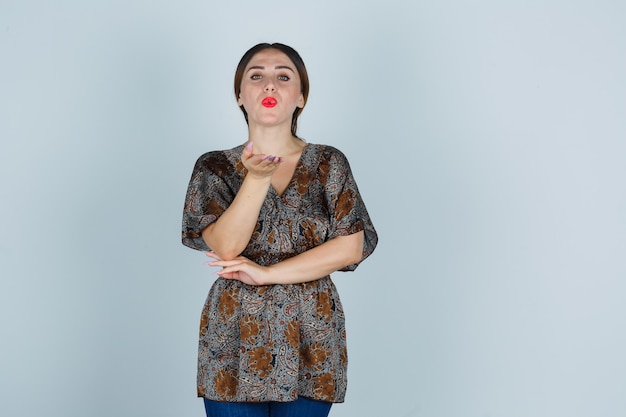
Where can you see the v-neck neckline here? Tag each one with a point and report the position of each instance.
(293, 174)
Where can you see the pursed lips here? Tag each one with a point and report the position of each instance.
(269, 102)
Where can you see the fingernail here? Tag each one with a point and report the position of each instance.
(249, 146)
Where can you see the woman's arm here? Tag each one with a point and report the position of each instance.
(230, 234)
(308, 266)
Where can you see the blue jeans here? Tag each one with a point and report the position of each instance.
(302, 407)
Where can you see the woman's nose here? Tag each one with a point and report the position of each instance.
(270, 86)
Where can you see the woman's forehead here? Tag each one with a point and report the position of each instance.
(269, 57)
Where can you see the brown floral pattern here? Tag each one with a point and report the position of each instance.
(275, 343)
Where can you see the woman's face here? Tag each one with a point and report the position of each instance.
(270, 89)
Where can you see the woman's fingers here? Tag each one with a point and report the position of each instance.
(248, 156)
(240, 269)
(213, 255)
(264, 162)
(261, 165)
(271, 159)
(247, 151)
(225, 264)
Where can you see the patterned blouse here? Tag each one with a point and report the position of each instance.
(276, 342)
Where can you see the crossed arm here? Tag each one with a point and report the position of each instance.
(230, 234)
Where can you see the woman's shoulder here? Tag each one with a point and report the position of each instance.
(219, 160)
(326, 151)
(221, 154)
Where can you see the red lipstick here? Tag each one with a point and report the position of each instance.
(269, 102)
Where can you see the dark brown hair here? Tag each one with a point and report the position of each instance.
(293, 55)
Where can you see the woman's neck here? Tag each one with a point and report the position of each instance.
(272, 141)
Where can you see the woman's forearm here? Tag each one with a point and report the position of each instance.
(318, 262)
(230, 234)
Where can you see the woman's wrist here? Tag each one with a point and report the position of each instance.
(257, 180)
(270, 275)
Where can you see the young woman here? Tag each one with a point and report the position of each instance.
(279, 215)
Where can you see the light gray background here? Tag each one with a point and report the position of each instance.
(488, 141)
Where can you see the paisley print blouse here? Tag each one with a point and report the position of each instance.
(276, 342)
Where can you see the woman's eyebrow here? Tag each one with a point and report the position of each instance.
(284, 67)
(258, 67)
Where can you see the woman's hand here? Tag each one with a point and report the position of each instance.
(259, 166)
(307, 266)
(241, 269)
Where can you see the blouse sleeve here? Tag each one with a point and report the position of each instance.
(346, 207)
(208, 196)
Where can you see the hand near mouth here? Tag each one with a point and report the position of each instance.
(259, 165)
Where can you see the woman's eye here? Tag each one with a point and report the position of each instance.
(255, 77)
(283, 77)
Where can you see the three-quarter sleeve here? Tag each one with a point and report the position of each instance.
(346, 207)
(208, 196)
